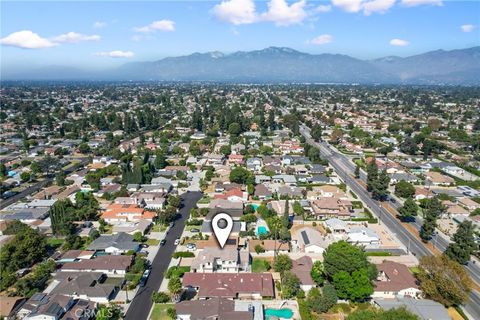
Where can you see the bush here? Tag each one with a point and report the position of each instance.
(194, 222)
(259, 249)
(183, 254)
(172, 313)
(176, 272)
(304, 310)
(160, 297)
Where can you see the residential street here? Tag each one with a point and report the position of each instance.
(345, 168)
(142, 303)
(39, 185)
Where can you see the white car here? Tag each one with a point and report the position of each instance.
(191, 246)
(177, 242)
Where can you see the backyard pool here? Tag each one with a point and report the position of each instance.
(254, 205)
(284, 313)
(262, 230)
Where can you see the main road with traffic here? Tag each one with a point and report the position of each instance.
(345, 169)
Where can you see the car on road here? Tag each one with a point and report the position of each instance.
(162, 242)
(177, 242)
(9, 194)
(194, 230)
(144, 278)
(171, 224)
(191, 246)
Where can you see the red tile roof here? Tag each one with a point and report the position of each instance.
(230, 285)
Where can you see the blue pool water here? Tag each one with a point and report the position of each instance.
(262, 230)
(284, 313)
(254, 205)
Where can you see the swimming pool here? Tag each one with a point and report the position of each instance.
(262, 230)
(254, 205)
(284, 313)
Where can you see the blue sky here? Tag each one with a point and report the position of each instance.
(90, 34)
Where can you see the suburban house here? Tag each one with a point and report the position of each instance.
(362, 235)
(262, 192)
(337, 226)
(215, 259)
(115, 244)
(395, 280)
(230, 286)
(425, 309)
(110, 265)
(331, 207)
(42, 306)
(454, 209)
(234, 195)
(438, 179)
(219, 308)
(85, 285)
(309, 240)
(234, 209)
(301, 267)
(117, 212)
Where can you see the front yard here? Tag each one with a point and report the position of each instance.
(159, 311)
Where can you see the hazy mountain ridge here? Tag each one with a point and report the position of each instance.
(277, 64)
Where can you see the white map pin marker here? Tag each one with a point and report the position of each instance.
(222, 229)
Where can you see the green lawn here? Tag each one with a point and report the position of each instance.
(160, 311)
(153, 242)
(260, 265)
(414, 270)
(55, 242)
(159, 228)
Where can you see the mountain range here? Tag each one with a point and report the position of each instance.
(279, 64)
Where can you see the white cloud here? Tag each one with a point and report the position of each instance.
(236, 11)
(367, 6)
(26, 39)
(380, 6)
(323, 8)
(115, 54)
(322, 39)
(283, 14)
(162, 25)
(467, 27)
(348, 5)
(399, 42)
(414, 3)
(74, 37)
(99, 24)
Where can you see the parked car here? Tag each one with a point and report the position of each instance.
(162, 242)
(194, 230)
(144, 278)
(171, 224)
(177, 242)
(191, 246)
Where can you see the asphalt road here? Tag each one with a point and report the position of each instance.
(142, 303)
(39, 185)
(345, 168)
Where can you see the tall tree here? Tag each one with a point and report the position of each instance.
(317, 132)
(408, 210)
(372, 174)
(463, 245)
(444, 280)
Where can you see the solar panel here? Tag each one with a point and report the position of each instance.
(305, 237)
